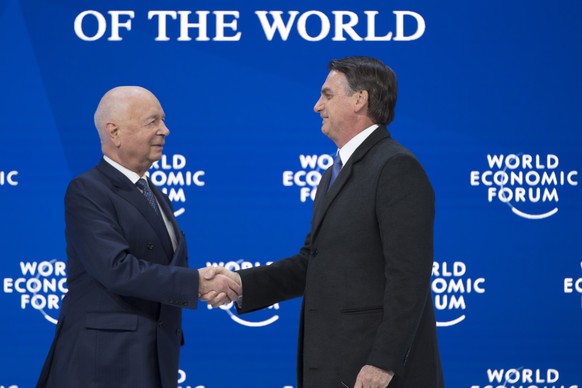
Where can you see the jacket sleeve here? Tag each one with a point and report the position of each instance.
(279, 281)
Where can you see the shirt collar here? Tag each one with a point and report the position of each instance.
(350, 147)
(132, 176)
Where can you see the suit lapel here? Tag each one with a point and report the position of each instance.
(128, 191)
(324, 199)
(167, 209)
(320, 197)
(178, 253)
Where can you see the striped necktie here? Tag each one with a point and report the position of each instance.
(142, 184)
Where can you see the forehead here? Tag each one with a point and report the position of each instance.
(335, 82)
(146, 106)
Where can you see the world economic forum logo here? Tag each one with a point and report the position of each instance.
(171, 176)
(528, 183)
(451, 287)
(185, 382)
(263, 317)
(9, 178)
(523, 377)
(41, 286)
(307, 177)
(573, 285)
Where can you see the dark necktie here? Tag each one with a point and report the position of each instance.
(147, 193)
(337, 166)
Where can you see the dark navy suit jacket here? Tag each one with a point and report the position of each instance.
(364, 273)
(120, 322)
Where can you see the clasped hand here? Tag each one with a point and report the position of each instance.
(219, 285)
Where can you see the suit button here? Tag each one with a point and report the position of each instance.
(314, 253)
(150, 246)
(161, 324)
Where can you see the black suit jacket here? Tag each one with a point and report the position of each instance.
(120, 322)
(364, 272)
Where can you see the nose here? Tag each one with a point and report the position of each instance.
(164, 131)
(318, 106)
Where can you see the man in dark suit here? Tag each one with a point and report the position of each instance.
(367, 318)
(120, 323)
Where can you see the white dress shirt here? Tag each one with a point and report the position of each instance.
(348, 149)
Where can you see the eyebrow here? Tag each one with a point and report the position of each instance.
(155, 116)
(150, 119)
(326, 91)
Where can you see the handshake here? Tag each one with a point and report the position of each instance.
(219, 286)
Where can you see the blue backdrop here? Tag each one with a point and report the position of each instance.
(489, 101)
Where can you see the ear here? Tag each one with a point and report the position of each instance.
(361, 104)
(112, 131)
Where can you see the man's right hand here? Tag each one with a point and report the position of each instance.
(219, 286)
